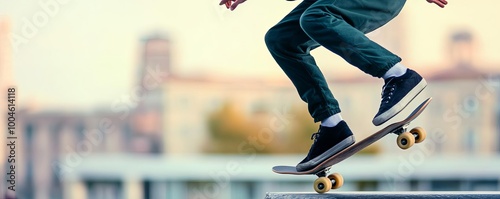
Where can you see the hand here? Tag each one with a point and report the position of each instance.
(440, 3)
(228, 3)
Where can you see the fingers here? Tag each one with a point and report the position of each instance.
(444, 2)
(440, 3)
(227, 2)
(230, 4)
(236, 3)
(222, 2)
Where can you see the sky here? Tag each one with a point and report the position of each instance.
(86, 53)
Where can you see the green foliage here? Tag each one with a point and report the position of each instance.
(230, 131)
(233, 131)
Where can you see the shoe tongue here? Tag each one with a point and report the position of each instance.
(388, 79)
(386, 83)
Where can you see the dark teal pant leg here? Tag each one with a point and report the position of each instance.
(341, 25)
(338, 25)
(291, 47)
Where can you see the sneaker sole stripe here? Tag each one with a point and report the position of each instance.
(332, 151)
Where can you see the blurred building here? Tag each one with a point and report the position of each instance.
(114, 153)
(49, 136)
(190, 101)
(466, 102)
(147, 118)
(54, 142)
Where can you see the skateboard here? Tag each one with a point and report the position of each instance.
(405, 140)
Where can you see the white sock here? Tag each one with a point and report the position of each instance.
(332, 120)
(396, 71)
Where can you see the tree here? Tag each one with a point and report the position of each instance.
(229, 128)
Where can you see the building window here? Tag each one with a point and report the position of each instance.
(484, 185)
(104, 190)
(470, 140)
(445, 185)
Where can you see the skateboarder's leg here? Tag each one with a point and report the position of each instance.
(290, 47)
(340, 26)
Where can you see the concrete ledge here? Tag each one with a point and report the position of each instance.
(385, 195)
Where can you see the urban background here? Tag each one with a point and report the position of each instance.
(150, 100)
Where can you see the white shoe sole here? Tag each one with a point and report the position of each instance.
(332, 151)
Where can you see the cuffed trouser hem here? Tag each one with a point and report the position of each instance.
(382, 70)
(325, 113)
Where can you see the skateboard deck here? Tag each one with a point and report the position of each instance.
(405, 140)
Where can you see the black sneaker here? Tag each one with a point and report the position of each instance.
(327, 142)
(397, 93)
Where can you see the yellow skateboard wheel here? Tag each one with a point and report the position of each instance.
(322, 185)
(337, 180)
(405, 140)
(419, 134)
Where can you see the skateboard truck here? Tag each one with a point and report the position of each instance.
(323, 172)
